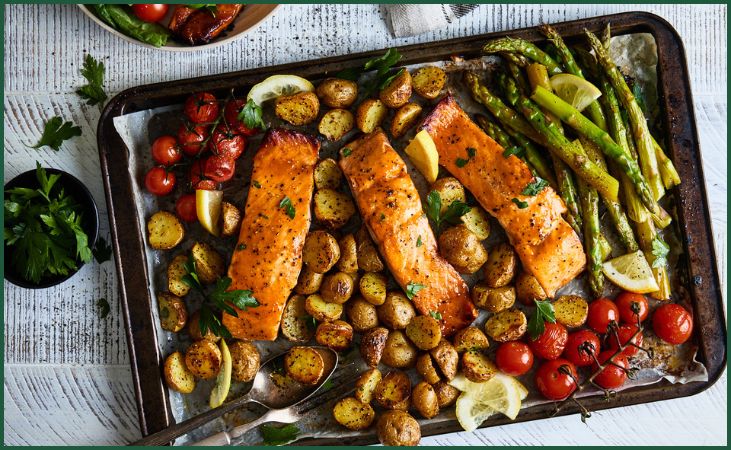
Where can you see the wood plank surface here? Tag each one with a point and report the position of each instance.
(67, 377)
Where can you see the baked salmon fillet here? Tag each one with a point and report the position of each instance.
(392, 211)
(547, 245)
(268, 255)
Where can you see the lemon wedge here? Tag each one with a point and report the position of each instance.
(423, 153)
(574, 90)
(631, 272)
(478, 401)
(209, 206)
(277, 86)
(223, 380)
(470, 413)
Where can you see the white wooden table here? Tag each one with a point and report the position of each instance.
(67, 376)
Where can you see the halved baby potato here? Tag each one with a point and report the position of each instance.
(176, 272)
(294, 323)
(353, 414)
(372, 286)
(571, 310)
(428, 81)
(177, 375)
(304, 364)
(336, 123)
(405, 118)
(366, 385)
(370, 114)
(321, 310)
(393, 389)
(336, 335)
(333, 208)
(477, 367)
(508, 325)
(203, 359)
(164, 230)
(209, 264)
(477, 221)
(298, 109)
(321, 251)
(173, 314)
(327, 174)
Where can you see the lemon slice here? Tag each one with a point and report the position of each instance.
(470, 413)
(423, 153)
(631, 272)
(501, 393)
(208, 206)
(478, 401)
(575, 90)
(223, 380)
(277, 86)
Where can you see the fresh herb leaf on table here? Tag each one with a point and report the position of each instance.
(102, 251)
(93, 71)
(55, 132)
(537, 323)
(279, 435)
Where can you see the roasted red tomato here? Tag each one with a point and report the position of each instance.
(625, 332)
(185, 208)
(196, 174)
(206, 185)
(165, 151)
(150, 12)
(231, 115)
(631, 306)
(514, 358)
(191, 138)
(201, 108)
(612, 376)
(550, 344)
(224, 142)
(219, 168)
(552, 381)
(159, 181)
(580, 345)
(602, 311)
(672, 323)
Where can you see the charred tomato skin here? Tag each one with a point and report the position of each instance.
(624, 333)
(219, 168)
(185, 208)
(225, 142)
(191, 139)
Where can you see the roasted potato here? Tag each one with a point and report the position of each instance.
(394, 388)
(348, 261)
(493, 299)
(527, 289)
(335, 124)
(231, 219)
(446, 357)
(397, 92)
(470, 338)
(321, 310)
(428, 81)
(294, 323)
(353, 414)
(336, 335)
(176, 272)
(396, 311)
(500, 267)
(398, 428)
(327, 174)
(368, 258)
(177, 375)
(477, 367)
(425, 368)
(424, 332)
(403, 405)
(337, 287)
(203, 359)
(450, 190)
(173, 314)
(478, 222)
(321, 251)
(399, 351)
(209, 264)
(372, 344)
(361, 314)
(405, 118)
(309, 281)
(164, 230)
(337, 93)
(304, 365)
(424, 399)
(462, 249)
(194, 330)
(245, 360)
(298, 109)
(370, 114)
(365, 387)
(508, 325)
(372, 287)
(332, 208)
(446, 393)
(571, 310)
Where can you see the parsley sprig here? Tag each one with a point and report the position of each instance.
(93, 71)
(252, 116)
(535, 187)
(660, 251)
(412, 289)
(452, 214)
(461, 162)
(288, 207)
(544, 313)
(55, 131)
(279, 435)
(382, 65)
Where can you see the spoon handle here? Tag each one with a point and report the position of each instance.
(224, 437)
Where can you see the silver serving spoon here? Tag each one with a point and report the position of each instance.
(270, 389)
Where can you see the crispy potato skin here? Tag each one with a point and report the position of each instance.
(294, 325)
(304, 364)
(398, 91)
(231, 220)
(398, 428)
(348, 261)
(396, 311)
(203, 359)
(368, 257)
(424, 332)
(501, 265)
(399, 352)
(393, 389)
(177, 375)
(309, 281)
(428, 81)
(446, 393)
(337, 287)
(447, 358)
(337, 93)
(424, 399)
(527, 289)
(353, 414)
(405, 118)
(493, 299)
(462, 249)
(164, 231)
(321, 251)
(362, 315)
(245, 360)
(370, 114)
(372, 344)
(298, 109)
(173, 313)
(425, 368)
(336, 335)
(477, 367)
(508, 325)
(470, 338)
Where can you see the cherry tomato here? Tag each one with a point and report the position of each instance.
(165, 151)
(185, 208)
(159, 181)
(219, 168)
(672, 323)
(612, 376)
(224, 142)
(191, 138)
(627, 301)
(206, 185)
(601, 312)
(514, 358)
(575, 343)
(150, 12)
(201, 108)
(550, 344)
(625, 332)
(196, 174)
(552, 382)
(231, 115)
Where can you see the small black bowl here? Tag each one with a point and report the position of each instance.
(90, 223)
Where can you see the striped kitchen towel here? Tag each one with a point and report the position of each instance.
(410, 20)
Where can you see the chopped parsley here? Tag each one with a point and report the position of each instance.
(412, 288)
(537, 323)
(436, 314)
(93, 92)
(55, 132)
(660, 251)
(418, 241)
(382, 217)
(453, 212)
(346, 152)
(521, 204)
(241, 246)
(535, 186)
(286, 204)
(256, 184)
(461, 162)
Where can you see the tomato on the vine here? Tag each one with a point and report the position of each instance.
(624, 333)
(219, 168)
(602, 311)
(191, 138)
(552, 380)
(631, 306)
(150, 12)
(580, 346)
(165, 150)
(185, 208)
(201, 108)
(612, 377)
(224, 142)
(550, 343)
(231, 116)
(672, 323)
(514, 358)
(159, 181)
(195, 172)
